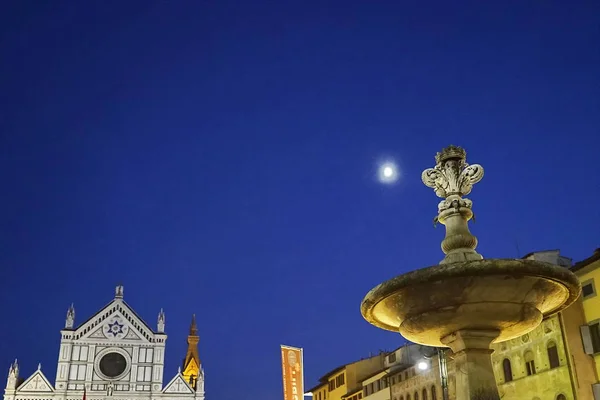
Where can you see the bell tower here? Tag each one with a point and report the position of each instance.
(191, 363)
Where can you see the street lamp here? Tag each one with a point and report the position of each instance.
(423, 365)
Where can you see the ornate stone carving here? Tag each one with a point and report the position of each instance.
(70, 320)
(452, 178)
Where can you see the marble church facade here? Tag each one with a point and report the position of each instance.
(114, 355)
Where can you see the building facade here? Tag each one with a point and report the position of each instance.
(345, 382)
(112, 355)
(417, 374)
(588, 272)
(541, 364)
(375, 387)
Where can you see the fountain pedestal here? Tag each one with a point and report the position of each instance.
(467, 302)
(474, 373)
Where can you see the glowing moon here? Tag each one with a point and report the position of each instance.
(388, 172)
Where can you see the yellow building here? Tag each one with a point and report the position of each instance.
(588, 272)
(320, 391)
(345, 382)
(191, 363)
(548, 362)
(375, 387)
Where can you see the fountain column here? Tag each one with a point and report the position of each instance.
(473, 365)
(451, 179)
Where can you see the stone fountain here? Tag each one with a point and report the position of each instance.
(467, 302)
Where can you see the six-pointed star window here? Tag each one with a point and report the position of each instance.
(115, 328)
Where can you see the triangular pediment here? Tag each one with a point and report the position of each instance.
(36, 383)
(115, 321)
(97, 334)
(131, 335)
(178, 385)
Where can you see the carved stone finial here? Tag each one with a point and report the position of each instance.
(452, 178)
(119, 292)
(160, 324)
(13, 370)
(70, 320)
(452, 175)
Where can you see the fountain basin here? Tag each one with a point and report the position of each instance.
(510, 296)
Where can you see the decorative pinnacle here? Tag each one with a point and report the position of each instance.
(193, 326)
(451, 179)
(119, 291)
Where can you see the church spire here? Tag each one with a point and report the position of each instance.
(193, 326)
(13, 376)
(191, 363)
(160, 324)
(70, 320)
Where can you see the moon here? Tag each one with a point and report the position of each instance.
(388, 172)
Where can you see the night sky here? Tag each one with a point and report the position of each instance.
(218, 157)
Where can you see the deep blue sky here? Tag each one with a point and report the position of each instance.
(218, 158)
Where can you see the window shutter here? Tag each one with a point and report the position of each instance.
(586, 338)
(596, 390)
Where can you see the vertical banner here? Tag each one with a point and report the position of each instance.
(293, 373)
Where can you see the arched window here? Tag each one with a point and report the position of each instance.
(561, 397)
(529, 363)
(401, 397)
(553, 355)
(508, 376)
(408, 397)
(416, 396)
(424, 394)
(433, 395)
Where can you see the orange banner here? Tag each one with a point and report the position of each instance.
(293, 373)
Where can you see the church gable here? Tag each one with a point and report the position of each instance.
(178, 385)
(36, 383)
(115, 321)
